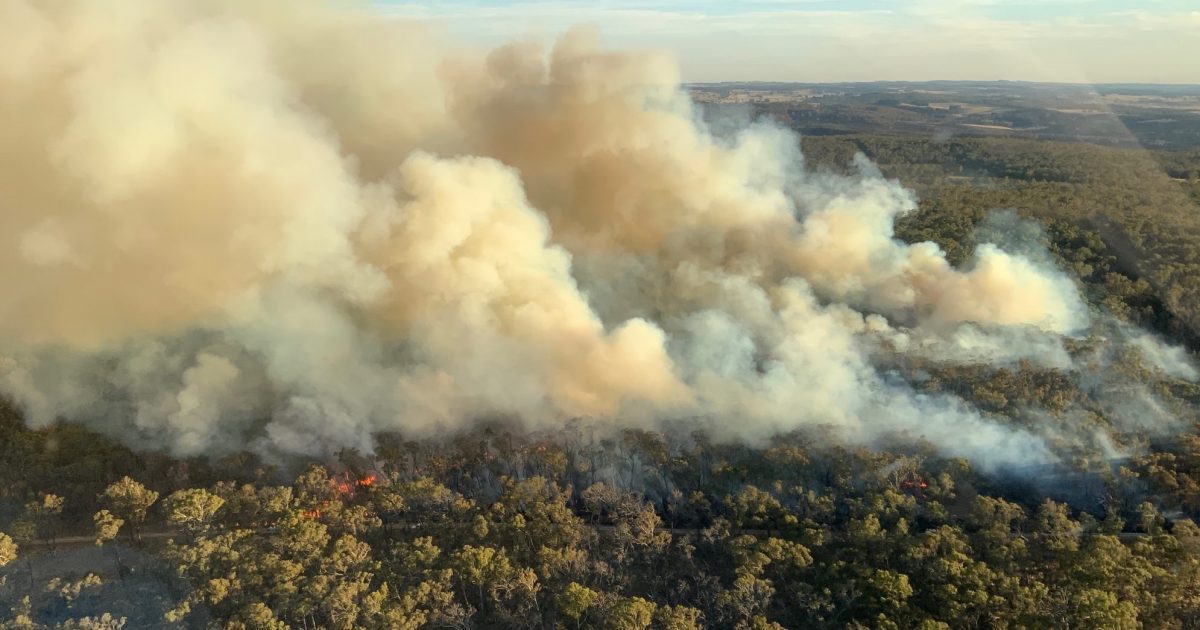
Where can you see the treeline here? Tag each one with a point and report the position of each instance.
(496, 528)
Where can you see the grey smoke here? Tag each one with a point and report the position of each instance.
(241, 225)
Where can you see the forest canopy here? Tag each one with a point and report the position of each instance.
(312, 320)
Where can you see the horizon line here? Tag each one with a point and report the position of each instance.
(919, 81)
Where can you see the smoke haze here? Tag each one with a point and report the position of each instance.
(237, 223)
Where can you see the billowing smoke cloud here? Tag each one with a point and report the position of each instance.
(294, 226)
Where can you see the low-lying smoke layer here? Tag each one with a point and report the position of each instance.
(234, 222)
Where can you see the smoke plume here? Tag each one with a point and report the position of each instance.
(294, 226)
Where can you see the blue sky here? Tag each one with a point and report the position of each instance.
(832, 40)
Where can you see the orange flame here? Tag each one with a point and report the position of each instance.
(348, 486)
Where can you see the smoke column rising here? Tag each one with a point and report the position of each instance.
(293, 226)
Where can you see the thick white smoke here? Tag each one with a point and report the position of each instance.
(294, 226)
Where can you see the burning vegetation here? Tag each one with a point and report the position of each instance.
(576, 352)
